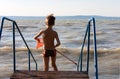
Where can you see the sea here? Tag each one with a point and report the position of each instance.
(71, 31)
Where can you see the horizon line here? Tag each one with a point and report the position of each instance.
(56, 16)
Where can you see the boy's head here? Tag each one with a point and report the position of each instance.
(50, 20)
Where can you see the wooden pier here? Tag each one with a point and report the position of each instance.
(24, 74)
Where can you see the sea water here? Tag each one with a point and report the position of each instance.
(71, 31)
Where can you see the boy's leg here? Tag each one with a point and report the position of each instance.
(53, 59)
(46, 63)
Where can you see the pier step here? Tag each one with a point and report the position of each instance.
(24, 74)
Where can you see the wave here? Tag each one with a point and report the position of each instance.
(64, 50)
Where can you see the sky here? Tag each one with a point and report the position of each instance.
(59, 7)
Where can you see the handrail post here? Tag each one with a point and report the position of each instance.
(81, 61)
(29, 52)
(81, 53)
(1, 28)
(29, 66)
(88, 48)
(14, 55)
(95, 50)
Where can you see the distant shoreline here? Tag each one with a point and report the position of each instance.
(63, 17)
(68, 16)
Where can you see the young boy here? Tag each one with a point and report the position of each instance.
(49, 36)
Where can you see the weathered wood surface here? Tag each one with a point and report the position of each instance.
(23, 74)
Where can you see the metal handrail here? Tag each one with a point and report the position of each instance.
(87, 33)
(14, 49)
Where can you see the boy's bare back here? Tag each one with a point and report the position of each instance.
(49, 37)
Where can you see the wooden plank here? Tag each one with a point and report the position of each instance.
(23, 74)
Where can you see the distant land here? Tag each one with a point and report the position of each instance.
(89, 16)
(63, 17)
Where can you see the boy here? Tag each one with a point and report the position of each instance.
(49, 36)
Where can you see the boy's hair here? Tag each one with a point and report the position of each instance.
(51, 19)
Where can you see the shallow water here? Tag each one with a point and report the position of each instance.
(71, 32)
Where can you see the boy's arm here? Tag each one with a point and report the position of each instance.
(37, 35)
(57, 39)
